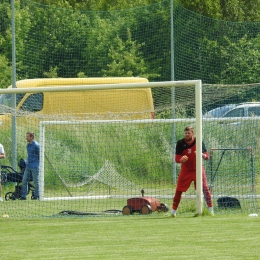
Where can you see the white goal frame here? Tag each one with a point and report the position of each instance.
(198, 113)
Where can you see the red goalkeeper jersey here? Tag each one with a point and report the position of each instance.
(182, 148)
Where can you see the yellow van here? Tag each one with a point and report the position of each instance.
(88, 105)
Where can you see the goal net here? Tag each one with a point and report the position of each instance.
(96, 164)
(226, 177)
(92, 163)
(60, 44)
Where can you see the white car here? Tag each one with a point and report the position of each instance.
(250, 109)
(219, 111)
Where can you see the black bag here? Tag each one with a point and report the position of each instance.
(228, 202)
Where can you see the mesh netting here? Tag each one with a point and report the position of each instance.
(136, 43)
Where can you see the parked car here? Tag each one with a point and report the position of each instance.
(219, 111)
(249, 109)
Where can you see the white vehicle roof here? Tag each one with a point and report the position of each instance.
(249, 104)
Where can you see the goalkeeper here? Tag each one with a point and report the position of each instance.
(186, 155)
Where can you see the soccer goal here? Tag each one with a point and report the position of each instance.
(92, 162)
(124, 156)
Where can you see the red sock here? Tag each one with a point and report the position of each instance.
(176, 199)
(207, 196)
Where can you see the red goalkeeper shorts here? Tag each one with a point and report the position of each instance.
(187, 177)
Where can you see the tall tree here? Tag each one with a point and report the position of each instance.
(229, 10)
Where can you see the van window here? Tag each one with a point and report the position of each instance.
(33, 103)
(6, 102)
(6, 99)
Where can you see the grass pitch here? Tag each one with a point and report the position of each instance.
(131, 237)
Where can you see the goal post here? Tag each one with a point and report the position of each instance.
(198, 107)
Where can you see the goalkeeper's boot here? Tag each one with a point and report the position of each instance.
(211, 211)
(173, 213)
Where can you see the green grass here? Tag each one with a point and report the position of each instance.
(131, 237)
